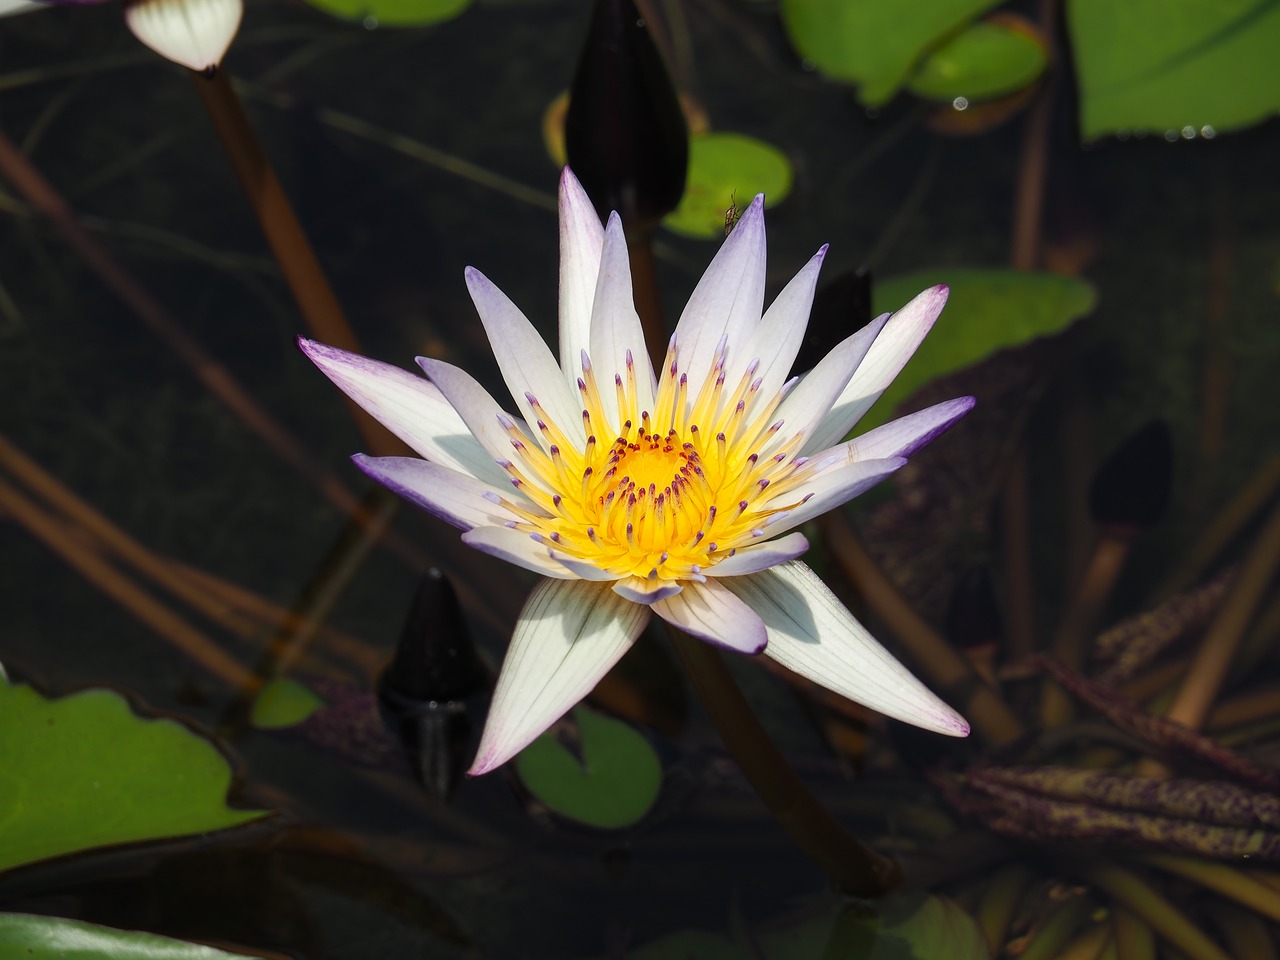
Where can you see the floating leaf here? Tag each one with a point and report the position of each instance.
(691, 945)
(988, 311)
(872, 43)
(52, 938)
(1176, 67)
(727, 169)
(904, 928)
(612, 786)
(284, 703)
(394, 13)
(988, 59)
(84, 771)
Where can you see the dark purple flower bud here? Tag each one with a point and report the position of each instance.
(840, 307)
(1131, 488)
(625, 133)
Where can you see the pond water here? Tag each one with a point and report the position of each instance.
(410, 154)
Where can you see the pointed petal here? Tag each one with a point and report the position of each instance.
(646, 591)
(727, 301)
(581, 568)
(526, 363)
(454, 497)
(516, 547)
(581, 238)
(898, 438)
(887, 356)
(569, 635)
(761, 556)
(615, 325)
(812, 634)
(830, 489)
(776, 341)
(711, 612)
(410, 407)
(477, 408)
(807, 405)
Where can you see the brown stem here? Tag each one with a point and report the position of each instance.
(854, 867)
(289, 245)
(991, 717)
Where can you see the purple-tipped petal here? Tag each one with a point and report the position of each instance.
(898, 438)
(887, 356)
(581, 568)
(407, 405)
(615, 325)
(581, 238)
(454, 497)
(647, 592)
(729, 298)
(711, 612)
(569, 635)
(526, 363)
(835, 486)
(759, 557)
(812, 634)
(776, 341)
(515, 546)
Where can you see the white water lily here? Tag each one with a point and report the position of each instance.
(634, 494)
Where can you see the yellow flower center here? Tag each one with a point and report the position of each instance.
(667, 498)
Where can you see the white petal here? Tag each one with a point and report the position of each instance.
(194, 33)
(777, 339)
(477, 408)
(728, 300)
(615, 325)
(811, 400)
(887, 356)
(454, 497)
(759, 557)
(812, 634)
(898, 438)
(581, 237)
(407, 405)
(833, 487)
(515, 546)
(646, 591)
(526, 363)
(710, 612)
(581, 568)
(569, 635)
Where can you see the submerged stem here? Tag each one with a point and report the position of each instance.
(852, 865)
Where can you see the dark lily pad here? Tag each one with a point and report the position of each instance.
(988, 311)
(284, 703)
(874, 44)
(394, 13)
(52, 938)
(1182, 68)
(84, 771)
(613, 785)
(727, 170)
(986, 60)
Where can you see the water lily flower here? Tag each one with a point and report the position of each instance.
(676, 494)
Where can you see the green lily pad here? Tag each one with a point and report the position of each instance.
(283, 703)
(872, 43)
(1175, 67)
(394, 13)
(988, 311)
(985, 61)
(52, 938)
(727, 170)
(84, 771)
(612, 786)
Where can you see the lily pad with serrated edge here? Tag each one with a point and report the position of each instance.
(612, 785)
(725, 171)
(983, 61)
(874, 44)
(85, 771)
(1169, 65)
(53, 938)
(394, 13)
(988, 310)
